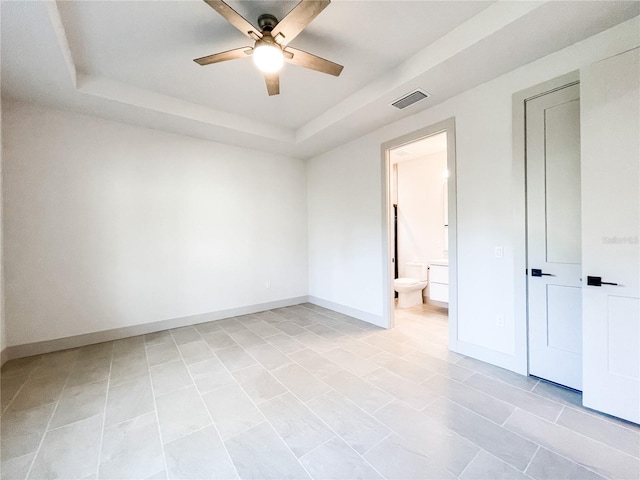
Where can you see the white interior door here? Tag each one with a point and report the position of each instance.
(554, 236)
(610, 230)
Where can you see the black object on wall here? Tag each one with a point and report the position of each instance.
(395, 243)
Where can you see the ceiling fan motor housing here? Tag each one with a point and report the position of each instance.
(267, 22)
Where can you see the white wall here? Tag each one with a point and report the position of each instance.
(421, 185)
(345, 199)
(344, 229)
(108, 225)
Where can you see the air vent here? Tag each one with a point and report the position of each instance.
(410, 99)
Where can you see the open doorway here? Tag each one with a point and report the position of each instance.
(420, 231)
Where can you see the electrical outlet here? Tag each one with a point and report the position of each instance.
(267, 285)
(500, 321)
(499, 252)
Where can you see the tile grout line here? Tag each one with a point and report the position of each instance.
(531, 459)
(510, 415)
(263, 416)
(317, 446)
(393, 399)
(633, 427)
(488, 419)
(305, 406)
(509, 384)
(471, 372)
(582, 465)
(331, 389)
(580, 434)
(480, 450)
(55, 429)
(53, 413)
(104, 414)
(564, 406)
(391, 433)
(5, 410)
(155, 405)
(330, 428)
(559, 415)
(463, 383)
(235, 468)
(453, 432)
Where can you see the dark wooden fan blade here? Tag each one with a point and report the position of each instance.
(308, 60)
(273, 83)
(297, 19)
(224, 56)
(234, 18)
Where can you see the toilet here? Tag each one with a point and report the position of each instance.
(410, 288)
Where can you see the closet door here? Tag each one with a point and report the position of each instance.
(553, 236)
(610, 121)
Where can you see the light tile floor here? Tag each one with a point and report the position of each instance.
(298, 392)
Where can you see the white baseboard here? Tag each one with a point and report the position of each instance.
(499, 359)
(37, 348)
(435, 303)
(377, 320)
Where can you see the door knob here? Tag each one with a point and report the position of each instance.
(536, 272)
(597, 282)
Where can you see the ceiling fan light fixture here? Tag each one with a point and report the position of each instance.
(268, 58)
(271, 48)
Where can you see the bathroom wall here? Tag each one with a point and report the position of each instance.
(108, 225)
(421, 209)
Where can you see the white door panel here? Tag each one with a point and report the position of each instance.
(622, 316)
(564, 319)
(610, 119)
(562, 183)
(554, 236)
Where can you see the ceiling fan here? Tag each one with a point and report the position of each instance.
(272, 39)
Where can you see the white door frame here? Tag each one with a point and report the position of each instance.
(519, 187)
(447, 126)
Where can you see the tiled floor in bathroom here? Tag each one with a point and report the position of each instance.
(298, 392)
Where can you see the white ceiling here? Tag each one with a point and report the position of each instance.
(419, 148)
(132, 61)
